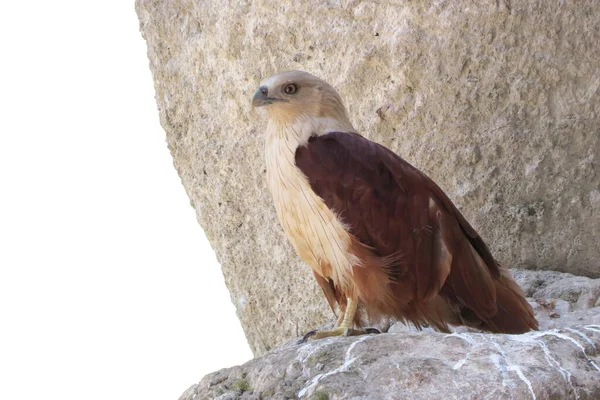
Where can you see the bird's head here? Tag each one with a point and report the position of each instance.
(293, 96)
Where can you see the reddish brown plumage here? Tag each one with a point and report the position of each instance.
(421, 260)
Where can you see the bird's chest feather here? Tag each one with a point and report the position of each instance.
(314, 230)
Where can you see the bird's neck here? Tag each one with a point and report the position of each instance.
(297, 131)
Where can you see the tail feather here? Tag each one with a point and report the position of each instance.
(515, 314)
(487, 296)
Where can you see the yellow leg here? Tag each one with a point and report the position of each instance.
(339, 320)
(348, 319)
(343, 328)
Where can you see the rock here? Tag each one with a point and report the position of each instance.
(583, 291)
(561, 361)
(498, 102)
(561, 364)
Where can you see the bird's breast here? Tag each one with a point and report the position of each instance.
(316, 232)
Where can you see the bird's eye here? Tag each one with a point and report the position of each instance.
(290, 88)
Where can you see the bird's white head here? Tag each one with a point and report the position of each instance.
(294, 98)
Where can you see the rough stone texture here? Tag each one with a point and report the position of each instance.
(559, 362)
(498, 101)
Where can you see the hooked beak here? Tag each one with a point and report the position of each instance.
(261, 97)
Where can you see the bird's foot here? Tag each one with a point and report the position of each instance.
(341, 331)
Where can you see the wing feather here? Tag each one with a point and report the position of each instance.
(393, 208)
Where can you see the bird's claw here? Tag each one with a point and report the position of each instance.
(307, 336)
(317, 334)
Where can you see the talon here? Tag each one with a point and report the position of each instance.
(315, 335)
(307, 336)
(345, 328)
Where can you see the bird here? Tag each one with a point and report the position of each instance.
(379, 235)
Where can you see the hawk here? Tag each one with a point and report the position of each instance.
(375, 230)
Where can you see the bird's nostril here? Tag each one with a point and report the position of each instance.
(264, 90)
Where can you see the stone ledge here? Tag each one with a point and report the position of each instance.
(561, 361)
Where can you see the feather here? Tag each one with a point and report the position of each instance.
(446, 273)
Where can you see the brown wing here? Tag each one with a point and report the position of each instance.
(395, 209)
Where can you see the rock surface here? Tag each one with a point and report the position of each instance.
(561, 361)
(497, 101)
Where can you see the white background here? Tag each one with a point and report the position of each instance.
(108, 287)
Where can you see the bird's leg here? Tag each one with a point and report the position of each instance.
(345, 327)
(340, 318)
(348, 320)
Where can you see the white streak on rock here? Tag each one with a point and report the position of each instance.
(461, 362)
(570, 339)
(307, 390)
(467, 338)
(583, 336)
(552, 362)
(503, 371)
(592, 328)
(308, 350)
(575, 342)
(516, 368)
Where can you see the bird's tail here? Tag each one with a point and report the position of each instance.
(515, 314)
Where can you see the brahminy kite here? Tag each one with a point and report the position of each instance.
(375, 230)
